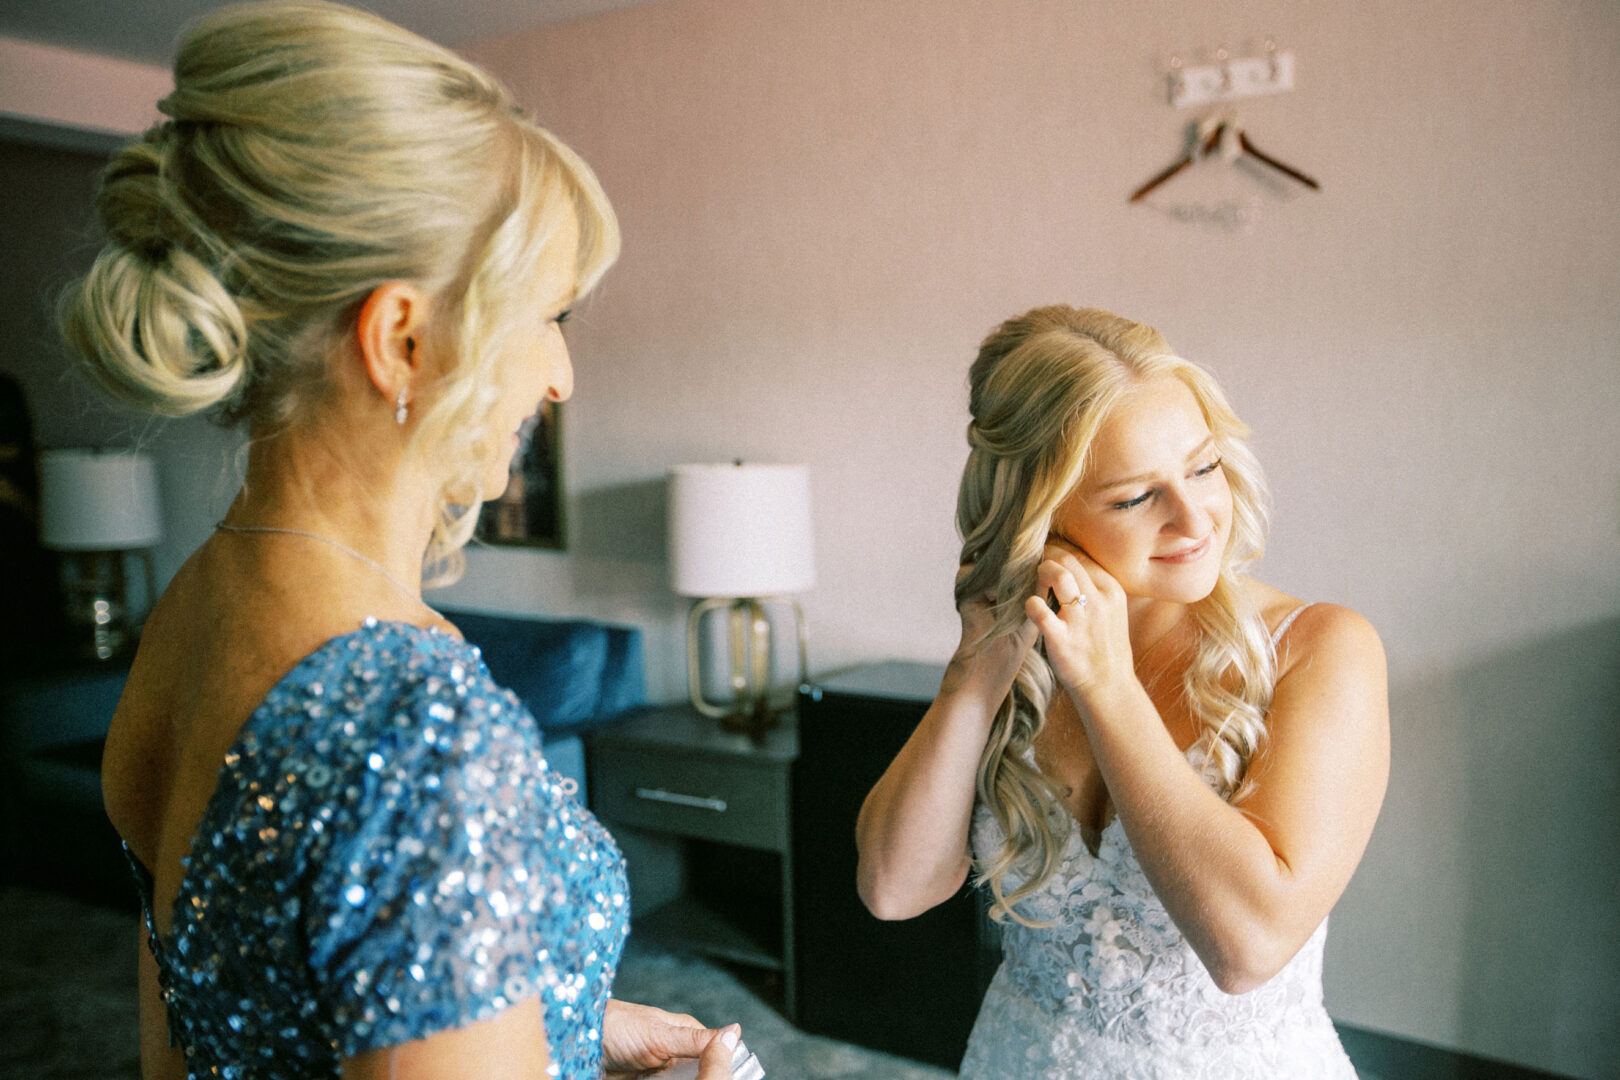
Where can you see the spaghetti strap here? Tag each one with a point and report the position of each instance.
(1282, 627)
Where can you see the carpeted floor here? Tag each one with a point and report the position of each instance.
(710, 993)
(67, 1004)
(67, 1000)
(67, 989)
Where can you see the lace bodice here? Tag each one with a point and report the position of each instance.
(1111, 990)
(386, 855)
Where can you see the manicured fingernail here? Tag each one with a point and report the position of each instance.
(730, 1036)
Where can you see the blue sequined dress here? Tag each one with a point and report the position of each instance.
(387, 855)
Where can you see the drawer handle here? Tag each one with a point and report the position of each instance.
(698, 801)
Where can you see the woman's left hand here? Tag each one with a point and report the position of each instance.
(1088, 640)
(639, 1040)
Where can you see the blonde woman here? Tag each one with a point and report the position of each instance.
(1164, 770)
(352, 856)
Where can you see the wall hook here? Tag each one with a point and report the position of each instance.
(1230, 79)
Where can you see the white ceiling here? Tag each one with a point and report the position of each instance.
(146, 30)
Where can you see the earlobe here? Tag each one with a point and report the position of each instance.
(389, 323)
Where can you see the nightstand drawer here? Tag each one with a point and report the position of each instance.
(696, 795)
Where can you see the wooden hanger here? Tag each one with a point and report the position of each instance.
(1233, 142)
(1266, 159)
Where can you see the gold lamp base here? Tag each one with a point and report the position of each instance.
(95, 589)
(753, 707)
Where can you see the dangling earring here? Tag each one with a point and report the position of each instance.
(401, 411)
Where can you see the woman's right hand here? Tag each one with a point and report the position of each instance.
(985, 668)
(640, 1040)
(713, 1064)
(715, 1061)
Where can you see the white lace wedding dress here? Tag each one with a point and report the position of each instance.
(1112, 991)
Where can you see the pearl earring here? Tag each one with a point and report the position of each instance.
(401, 411)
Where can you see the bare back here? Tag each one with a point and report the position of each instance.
(237, 617)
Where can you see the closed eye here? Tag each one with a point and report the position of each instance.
(1130, 503)
(1198, 473)
(563, 316)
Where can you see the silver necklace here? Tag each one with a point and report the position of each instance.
(368, 560)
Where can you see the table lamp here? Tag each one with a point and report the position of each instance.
(740, 540)
(95, 508)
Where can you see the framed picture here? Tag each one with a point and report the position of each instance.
(530, 512)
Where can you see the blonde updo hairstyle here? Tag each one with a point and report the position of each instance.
(1042, 387)
(313, 152)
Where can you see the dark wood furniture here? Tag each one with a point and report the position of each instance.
(672, 772)
(911, 988)
(54, 831)
(767, 829)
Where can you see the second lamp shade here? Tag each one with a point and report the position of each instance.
(90, 500)
(740, 530)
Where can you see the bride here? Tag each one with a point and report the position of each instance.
(1164, 771)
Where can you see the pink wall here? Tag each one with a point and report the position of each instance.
(826, 204)
(77, 89)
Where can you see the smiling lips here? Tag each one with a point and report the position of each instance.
(1187, 554)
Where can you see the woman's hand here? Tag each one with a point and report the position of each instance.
(639, 1040)
(984, 668)
(715, 1061)
(1088, 638)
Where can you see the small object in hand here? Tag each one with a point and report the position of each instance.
(744, 1066)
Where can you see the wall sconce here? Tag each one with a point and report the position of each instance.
(96, 508)
(740, 540)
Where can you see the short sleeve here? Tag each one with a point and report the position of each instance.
(431, 910)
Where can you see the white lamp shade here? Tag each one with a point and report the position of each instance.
(740, 530)
(92, 501)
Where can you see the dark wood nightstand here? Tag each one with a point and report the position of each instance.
(53, 829)
(861, 980)
(670, 771)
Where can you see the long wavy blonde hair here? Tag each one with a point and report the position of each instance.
(311, 153)
(1042, 387)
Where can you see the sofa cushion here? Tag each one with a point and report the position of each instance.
(571, 673)
(63, 707)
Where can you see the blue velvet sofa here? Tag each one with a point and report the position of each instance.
(573, 674)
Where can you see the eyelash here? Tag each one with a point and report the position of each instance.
(1198, 474)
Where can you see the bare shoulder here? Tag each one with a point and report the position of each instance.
(1332, 680)
(1318, 629)
(1326, 633)
(1328, 720)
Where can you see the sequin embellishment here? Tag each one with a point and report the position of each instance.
(387, 855)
